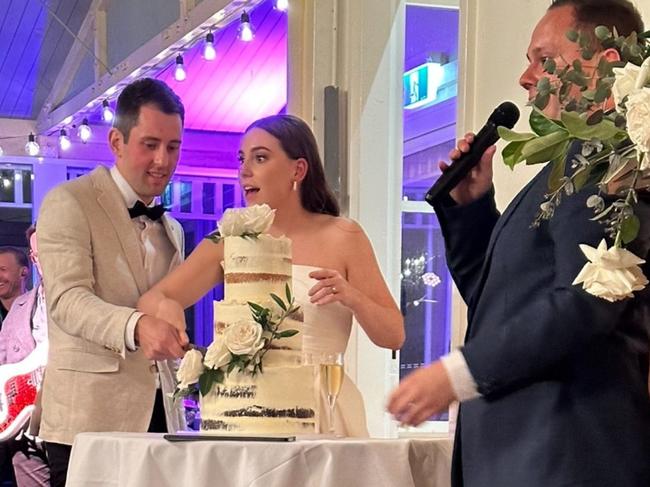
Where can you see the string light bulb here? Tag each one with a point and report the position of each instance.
(245, 28)
(32, 147)
(107, 112)
(84, 132)
(209, 52)
(282, 5)
(179, 71)
(64, 140)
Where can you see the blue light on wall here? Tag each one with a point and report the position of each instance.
(421, 85)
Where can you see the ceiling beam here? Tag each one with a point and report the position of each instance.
(186, 6)
(101, 43)
(71, 64)
(15, 127)
(186, 30)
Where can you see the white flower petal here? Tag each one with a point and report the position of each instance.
(611, 274)
(190, 368)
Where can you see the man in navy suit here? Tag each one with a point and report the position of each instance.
(552, 380)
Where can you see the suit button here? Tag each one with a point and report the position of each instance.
(153, 368)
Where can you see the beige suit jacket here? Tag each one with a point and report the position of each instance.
(93, 275)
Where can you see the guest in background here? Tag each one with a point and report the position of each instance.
(551, 379)
(103, 242)
(24, 332)
(14, 269)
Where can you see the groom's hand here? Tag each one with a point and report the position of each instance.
(158, 339)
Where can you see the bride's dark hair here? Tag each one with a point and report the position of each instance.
(298, 141)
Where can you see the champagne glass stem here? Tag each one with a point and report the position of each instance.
(332, 405)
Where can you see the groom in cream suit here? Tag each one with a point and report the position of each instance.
(102, 244)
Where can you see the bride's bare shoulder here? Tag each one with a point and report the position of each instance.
(340, 227)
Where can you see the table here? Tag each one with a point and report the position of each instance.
(146, 459)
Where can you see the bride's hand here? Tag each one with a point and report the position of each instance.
(172, 312)
(331, 287)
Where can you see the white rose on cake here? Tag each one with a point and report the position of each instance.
(190, 369)
(244, 337)
(252, 220)
(258, 218)
(217, 355)
(231, 223)
(612, 274)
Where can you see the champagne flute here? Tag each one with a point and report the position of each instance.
(331, 371)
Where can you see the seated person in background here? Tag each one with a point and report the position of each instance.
(335, 272)
(24, 332)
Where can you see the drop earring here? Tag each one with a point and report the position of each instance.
(295, 185)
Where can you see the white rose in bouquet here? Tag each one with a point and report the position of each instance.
(638, 117)
(232, 223)
(625, 80)
(244, 337)
(190, 369)
(612, 274)
(258, 218)
(217, 355)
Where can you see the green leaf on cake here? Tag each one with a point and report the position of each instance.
(208, 379)
(237, 361)
(249, 236)
(279, 301)
(187, 391)
(287, 291)
(286, 333)
(214, 236)
(256, 307)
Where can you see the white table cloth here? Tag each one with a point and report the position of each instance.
(146, 459)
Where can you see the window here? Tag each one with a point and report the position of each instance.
(430, 87)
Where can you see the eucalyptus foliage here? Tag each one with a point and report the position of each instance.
(606, 156)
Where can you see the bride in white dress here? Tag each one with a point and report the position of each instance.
(336, 275)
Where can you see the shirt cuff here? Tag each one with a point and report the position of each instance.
(129, 331)
(460, 377)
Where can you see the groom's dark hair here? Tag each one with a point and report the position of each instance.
(145, 91)
(589, 14)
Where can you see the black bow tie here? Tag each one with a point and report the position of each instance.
(153, 212)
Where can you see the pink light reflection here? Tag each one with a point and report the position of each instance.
(246, 81)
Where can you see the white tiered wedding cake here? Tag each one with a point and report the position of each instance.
(278, 397)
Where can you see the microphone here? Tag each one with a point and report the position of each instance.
(505, 115)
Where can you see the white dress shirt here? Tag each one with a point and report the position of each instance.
(157, 250)
(39, 318)
(462, 381)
